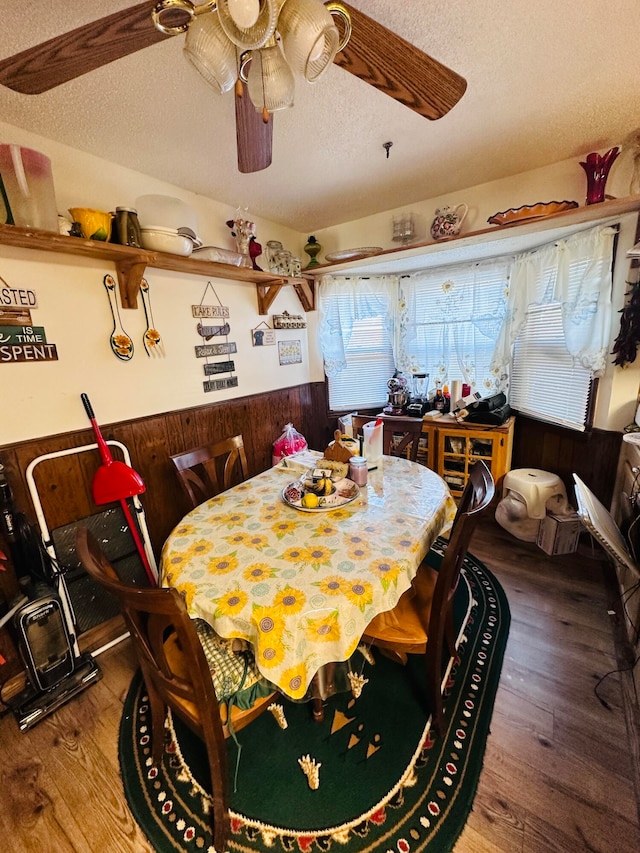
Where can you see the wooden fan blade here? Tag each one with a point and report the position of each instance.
(84, 49)
(397, 68)
(253, 136)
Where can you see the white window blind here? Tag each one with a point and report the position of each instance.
(369, 355)
(545, 383)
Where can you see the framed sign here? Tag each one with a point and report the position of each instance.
(289, 352)
(263, 337)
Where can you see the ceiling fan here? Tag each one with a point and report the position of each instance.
(372, 52)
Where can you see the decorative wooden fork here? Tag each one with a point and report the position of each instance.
(151, 339)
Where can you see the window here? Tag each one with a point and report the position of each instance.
(555, 337)
(369, 355)
(535, 326)
(452, 321)
(545, 382)
(356, 332)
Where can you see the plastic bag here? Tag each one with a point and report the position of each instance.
(290, 442)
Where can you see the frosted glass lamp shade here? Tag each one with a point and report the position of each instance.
(244, 12)
(253, 36)
(212, 54)
(270, 81)
(310, 39)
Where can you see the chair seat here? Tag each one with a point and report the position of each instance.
(406, 625)
(241, 690)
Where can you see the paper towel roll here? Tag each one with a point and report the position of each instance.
(456, 392)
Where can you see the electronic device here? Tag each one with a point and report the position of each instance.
(44, 640)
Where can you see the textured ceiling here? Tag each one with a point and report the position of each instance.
(547, 81)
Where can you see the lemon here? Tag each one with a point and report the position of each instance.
(309, 500)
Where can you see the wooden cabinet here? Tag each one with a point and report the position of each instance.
(451, 448)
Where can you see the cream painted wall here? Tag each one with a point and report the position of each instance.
(44, 398)
(40, 399)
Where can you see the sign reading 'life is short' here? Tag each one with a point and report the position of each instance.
(219, 384)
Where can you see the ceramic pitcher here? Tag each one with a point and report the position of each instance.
(448, 221)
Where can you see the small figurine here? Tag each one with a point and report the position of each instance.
(242, 230)
(255, 250)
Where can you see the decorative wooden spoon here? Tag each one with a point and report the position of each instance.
(120, 341)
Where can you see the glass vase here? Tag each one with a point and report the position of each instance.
(596, 169)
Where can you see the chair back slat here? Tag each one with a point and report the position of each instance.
(206, 471)
(400, 435)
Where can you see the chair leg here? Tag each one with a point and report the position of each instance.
(221, 823)
(433, 662)
(450, 632)
(158, 715)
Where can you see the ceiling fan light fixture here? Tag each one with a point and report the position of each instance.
(211, 53)
(244, 12)
(270, 81)
(254, 36)
(310, 38)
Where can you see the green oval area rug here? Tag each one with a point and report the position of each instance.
(386, 782)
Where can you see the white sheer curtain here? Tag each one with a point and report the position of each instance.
(342, 302)
(576, 274)
(450, 322)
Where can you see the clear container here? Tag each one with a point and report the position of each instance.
(126, 228)
(28, 184)
(358, 470)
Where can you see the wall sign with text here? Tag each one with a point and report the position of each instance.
(20, 340)
(206, 350)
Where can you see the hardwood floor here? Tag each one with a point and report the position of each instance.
(559, 770)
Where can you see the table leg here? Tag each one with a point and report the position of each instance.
(317, 708)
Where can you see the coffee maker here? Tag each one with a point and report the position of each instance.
(398, 396)
(419, 403)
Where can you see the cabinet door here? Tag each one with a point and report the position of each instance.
(457, 453)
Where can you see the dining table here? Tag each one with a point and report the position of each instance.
(302, 585)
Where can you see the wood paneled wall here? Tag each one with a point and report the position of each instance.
(64, 485)
(592, 456)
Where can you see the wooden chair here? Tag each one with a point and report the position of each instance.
(400, 435)
(422, 620)
(206, 471)
(177, 673)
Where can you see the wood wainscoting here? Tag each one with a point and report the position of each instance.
(65, 492)
(593, 456)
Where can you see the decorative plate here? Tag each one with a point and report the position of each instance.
(531, 211)
(353, 254)
(345, 492)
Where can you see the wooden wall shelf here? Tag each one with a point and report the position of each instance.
(483, 243)
(131, 263)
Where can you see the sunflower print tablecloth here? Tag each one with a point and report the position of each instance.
(301, 587)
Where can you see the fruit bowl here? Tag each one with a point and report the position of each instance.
(94, 224)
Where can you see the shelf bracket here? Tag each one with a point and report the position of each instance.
(130, 274)
(267, 293)
(304, 288)
(306, 293)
